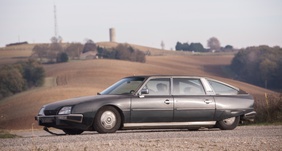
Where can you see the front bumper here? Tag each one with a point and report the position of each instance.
(57, 120)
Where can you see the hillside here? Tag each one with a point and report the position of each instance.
(80, 78)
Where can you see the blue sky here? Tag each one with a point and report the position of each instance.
(239, 23)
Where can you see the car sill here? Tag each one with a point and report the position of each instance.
(161, 124)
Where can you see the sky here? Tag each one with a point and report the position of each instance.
(240, 23)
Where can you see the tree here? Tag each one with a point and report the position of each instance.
(33, 73)
(41, 51)
(74, 50)
(197, 47)
(186, 47)
(54, 50)
(11, 81)
(47, 52)
(214, 44)
(56, 39)
(228, 47)
(62, 57)
(267, 68)
(178, 46)
(122, 52)
(89, 46)
(259, 65)
(20, 76)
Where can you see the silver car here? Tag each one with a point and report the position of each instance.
(152, 102)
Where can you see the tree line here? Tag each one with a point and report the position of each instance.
(122, 52)
(56, 53)
(20, 76)
(212, 43)
(260, 66)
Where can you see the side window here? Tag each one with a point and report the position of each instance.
(222, 89)
(158, 86)
(187, 86)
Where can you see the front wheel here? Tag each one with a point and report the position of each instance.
(107, 120)
(228, 124)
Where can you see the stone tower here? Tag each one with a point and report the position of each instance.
(112, 35)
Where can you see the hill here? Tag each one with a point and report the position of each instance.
(81, 78)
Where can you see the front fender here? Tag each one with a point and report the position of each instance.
(91, 107)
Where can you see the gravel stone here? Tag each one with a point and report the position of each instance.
(242, 138)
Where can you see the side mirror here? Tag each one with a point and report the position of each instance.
(144, 91)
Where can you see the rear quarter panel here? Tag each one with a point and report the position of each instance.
(233, 105)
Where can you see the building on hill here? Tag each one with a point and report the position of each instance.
(89, 55)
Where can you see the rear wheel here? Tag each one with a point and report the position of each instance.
(107, 120)
(72, 131)
(228, 124)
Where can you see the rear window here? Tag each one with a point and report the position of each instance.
(222, 89)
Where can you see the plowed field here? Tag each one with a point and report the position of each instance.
(80, 78)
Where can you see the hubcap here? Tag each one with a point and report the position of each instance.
(229, 121)
(108, 120)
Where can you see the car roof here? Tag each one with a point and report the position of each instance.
(183, 76)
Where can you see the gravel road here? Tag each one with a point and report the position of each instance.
(242, 138)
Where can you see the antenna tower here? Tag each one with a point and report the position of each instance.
(55, 21)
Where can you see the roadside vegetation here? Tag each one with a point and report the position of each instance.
(262, 66)
(19, 77)
(5, 134)
(269, 109)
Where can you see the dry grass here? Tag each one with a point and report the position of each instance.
(270, 107)
(80, 78)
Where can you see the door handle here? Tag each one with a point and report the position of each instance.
(208, 101)
(167, 102)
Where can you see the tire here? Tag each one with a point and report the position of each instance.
(72, 131)
(107, 120)
(229, 123)
(194, 129)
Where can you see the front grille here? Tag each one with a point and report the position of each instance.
(50, 112)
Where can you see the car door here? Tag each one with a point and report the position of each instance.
(191, 101)
(156, 106)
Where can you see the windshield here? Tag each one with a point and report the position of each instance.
(124, 86)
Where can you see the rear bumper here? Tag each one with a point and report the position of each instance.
(249, 116)
(58, 120)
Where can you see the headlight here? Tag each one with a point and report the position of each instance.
(65, 110)
(41, 112)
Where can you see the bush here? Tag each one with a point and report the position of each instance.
(11, 81)
(19, 77)
(62, 57)
(269, 109)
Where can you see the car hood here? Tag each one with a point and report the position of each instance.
(74, 101)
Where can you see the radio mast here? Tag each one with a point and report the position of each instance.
(55, 22)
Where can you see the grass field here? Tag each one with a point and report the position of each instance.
(81, 78)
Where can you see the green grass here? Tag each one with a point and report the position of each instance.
(5, 134)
